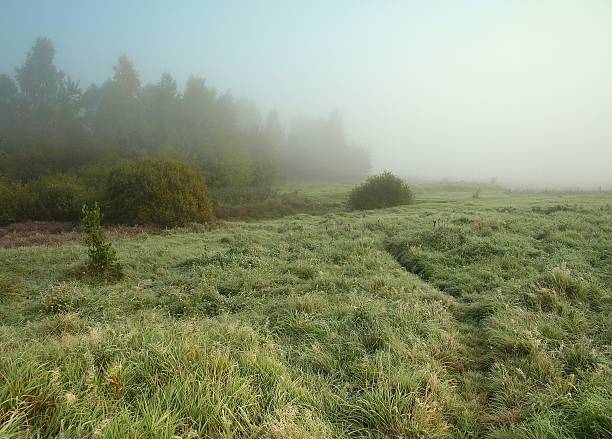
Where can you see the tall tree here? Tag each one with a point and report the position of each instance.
(247, 115)
(317, 148)
(49, 99)
(198, 105)
(273, 131)
(114, 110)
(8, 92)
(9, 95)
(161, 107)
(38, 78)
(126, 77)
(268, 148)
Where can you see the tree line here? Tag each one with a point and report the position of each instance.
(50, 126)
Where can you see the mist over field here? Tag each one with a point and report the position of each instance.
(513, 90)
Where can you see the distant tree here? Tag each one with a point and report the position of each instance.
(334, 129)
(167, 86)
(198, 103)
(9, 101)
(197, 107)
(225, 113)
(70, 99)
(160, 103)
(268, 148)
(273, 131)
(317, 148)
(125, 76)
(247, 116)
(49, 99)
(114, 111)
(38, 78)
(8, 92)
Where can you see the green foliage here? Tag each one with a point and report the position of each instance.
(49, 99)
(102, 256)
(159, 192)
(58, 197)
(15, 202)
(28, 163)
(380, 191)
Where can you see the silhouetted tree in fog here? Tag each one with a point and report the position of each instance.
(9, 95)
(318, 149)
(114, 109)
(160, 103)
(49, 101)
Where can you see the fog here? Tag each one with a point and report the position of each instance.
(520, 91)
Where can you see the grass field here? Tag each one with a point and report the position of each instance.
(453, 317)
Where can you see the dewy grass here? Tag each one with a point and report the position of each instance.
(452, 317)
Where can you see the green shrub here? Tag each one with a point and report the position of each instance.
(159, 192)
(58, 197)
(380, 191)
(102, 256)
(15, 202)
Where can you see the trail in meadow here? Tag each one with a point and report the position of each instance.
(531, 308)
(425, 256)
(470, 374)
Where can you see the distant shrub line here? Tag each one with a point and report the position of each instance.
(159, 192)
(168, 193)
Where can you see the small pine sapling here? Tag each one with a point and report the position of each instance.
(102, 256)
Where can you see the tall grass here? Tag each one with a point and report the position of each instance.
(482, 319)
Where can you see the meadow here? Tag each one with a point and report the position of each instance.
(471, 313)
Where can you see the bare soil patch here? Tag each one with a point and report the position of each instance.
(29, 233)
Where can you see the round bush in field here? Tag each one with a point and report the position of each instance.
(58, 197)
(15, 202)
(161, 192)
(380, 191)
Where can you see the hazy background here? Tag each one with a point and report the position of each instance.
(518, 90)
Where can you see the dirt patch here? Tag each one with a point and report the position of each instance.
(31, 233)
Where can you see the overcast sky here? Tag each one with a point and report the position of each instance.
(459, 89)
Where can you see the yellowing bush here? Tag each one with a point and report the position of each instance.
(157, 192)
